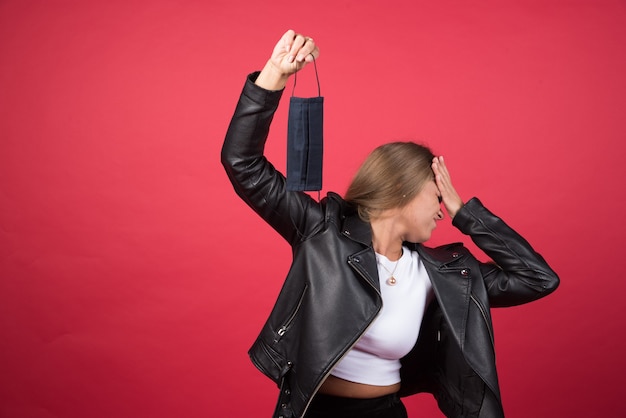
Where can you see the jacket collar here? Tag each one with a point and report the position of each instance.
(440, 256)
(356, 229)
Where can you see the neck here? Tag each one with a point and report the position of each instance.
(385, 240)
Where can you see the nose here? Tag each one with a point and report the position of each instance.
(439, 214)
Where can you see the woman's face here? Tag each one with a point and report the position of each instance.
(421, 214)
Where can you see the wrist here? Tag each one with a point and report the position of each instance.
(455, 208)
(272, 78)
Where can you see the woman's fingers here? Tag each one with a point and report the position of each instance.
(451, 199)
(295, 48)
(442, 177)
(303, 50)
(291, 53)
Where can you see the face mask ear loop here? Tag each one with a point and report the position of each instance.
(319, 89)
(295, 75)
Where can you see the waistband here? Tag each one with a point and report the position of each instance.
(338, 403)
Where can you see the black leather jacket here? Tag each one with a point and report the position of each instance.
(331, 294)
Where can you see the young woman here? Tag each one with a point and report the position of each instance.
(367, 313)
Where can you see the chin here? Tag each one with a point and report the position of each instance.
(423, 239)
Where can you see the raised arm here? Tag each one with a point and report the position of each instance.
(254, 178)
(519, 274)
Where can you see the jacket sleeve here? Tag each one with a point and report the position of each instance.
(256, 181)
(519, 274)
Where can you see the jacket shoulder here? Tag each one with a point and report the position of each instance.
(335, 207)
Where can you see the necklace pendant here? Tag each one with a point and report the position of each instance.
(392, 281)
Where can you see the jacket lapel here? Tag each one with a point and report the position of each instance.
(452, 286)
(364, 260)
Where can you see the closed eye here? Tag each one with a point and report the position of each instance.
(440, 199)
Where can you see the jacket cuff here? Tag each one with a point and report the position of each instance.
(269, 98)
(472, 211)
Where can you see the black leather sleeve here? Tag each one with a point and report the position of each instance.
(519, 274)
(256, 181)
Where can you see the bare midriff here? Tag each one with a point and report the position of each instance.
(339, 387)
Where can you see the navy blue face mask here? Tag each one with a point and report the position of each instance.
(305, 140)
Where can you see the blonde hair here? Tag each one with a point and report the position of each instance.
(389, 178)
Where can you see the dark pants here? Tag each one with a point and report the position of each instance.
(325, 406)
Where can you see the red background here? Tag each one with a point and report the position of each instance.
(133, 280)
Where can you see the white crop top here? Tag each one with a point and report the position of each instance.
(375, 359)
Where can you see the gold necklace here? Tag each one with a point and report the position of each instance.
(391, 281)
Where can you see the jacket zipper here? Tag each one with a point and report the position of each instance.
(317, 388)
(484, 314)
(283, 329)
